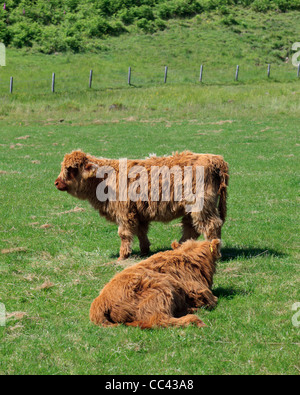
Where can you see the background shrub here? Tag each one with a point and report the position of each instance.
(262, 5)
(53, 25)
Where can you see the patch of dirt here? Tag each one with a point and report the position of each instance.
(74, 210)
(221, 122)
(30, 277)
(45, 285)
(45, 226)
(23, 137)
(12, 250)
(9, 172)
(17, 315)
(33, 224)
(117, 107)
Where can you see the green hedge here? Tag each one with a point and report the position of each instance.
(54, 25)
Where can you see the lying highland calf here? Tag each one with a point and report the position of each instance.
(161, 291)
(132, 193)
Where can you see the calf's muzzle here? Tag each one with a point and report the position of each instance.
(60, 185)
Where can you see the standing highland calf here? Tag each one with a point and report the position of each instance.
(161, 291)
(132, 193)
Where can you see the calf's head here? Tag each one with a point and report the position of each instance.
(212, 248)
(75, 170)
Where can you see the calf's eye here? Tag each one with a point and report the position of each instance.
(72, 172)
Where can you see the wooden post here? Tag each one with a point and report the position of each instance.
(91, 78)
(11, 85)
(53, 83)
(166, 74)
(129, 76)
(237, 73)
(269, 70)
(298, 72)
(201, 73)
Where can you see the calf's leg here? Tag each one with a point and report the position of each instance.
(161, 320)
(209, 224)
(143, 238)
(212, 229)
(126, 235)
(201, 297)
(188, 230)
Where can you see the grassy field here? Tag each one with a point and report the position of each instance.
(67, 252)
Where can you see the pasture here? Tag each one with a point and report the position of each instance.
(56, 253)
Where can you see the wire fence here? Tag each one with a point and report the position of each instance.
(115, 78)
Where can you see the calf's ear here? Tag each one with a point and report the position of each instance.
(175, 245)
(89, 170)
(216, 245)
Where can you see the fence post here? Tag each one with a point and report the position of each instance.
(237, 73)
(91, 78)
(201, 73)
(166, 74)
(11, 85)
(269, 70)
(53, 83)
(129, 76)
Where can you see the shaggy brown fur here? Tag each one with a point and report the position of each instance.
(78, 177)
(162, 290)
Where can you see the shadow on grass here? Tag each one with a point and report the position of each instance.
(229, 292)
(136, 254)
(229, 254)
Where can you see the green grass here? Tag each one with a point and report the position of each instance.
(183, 46)
(254, 124)
(81, 26)
(250, 331)
(257, 40)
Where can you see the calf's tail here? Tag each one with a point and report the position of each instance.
(222, 192)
